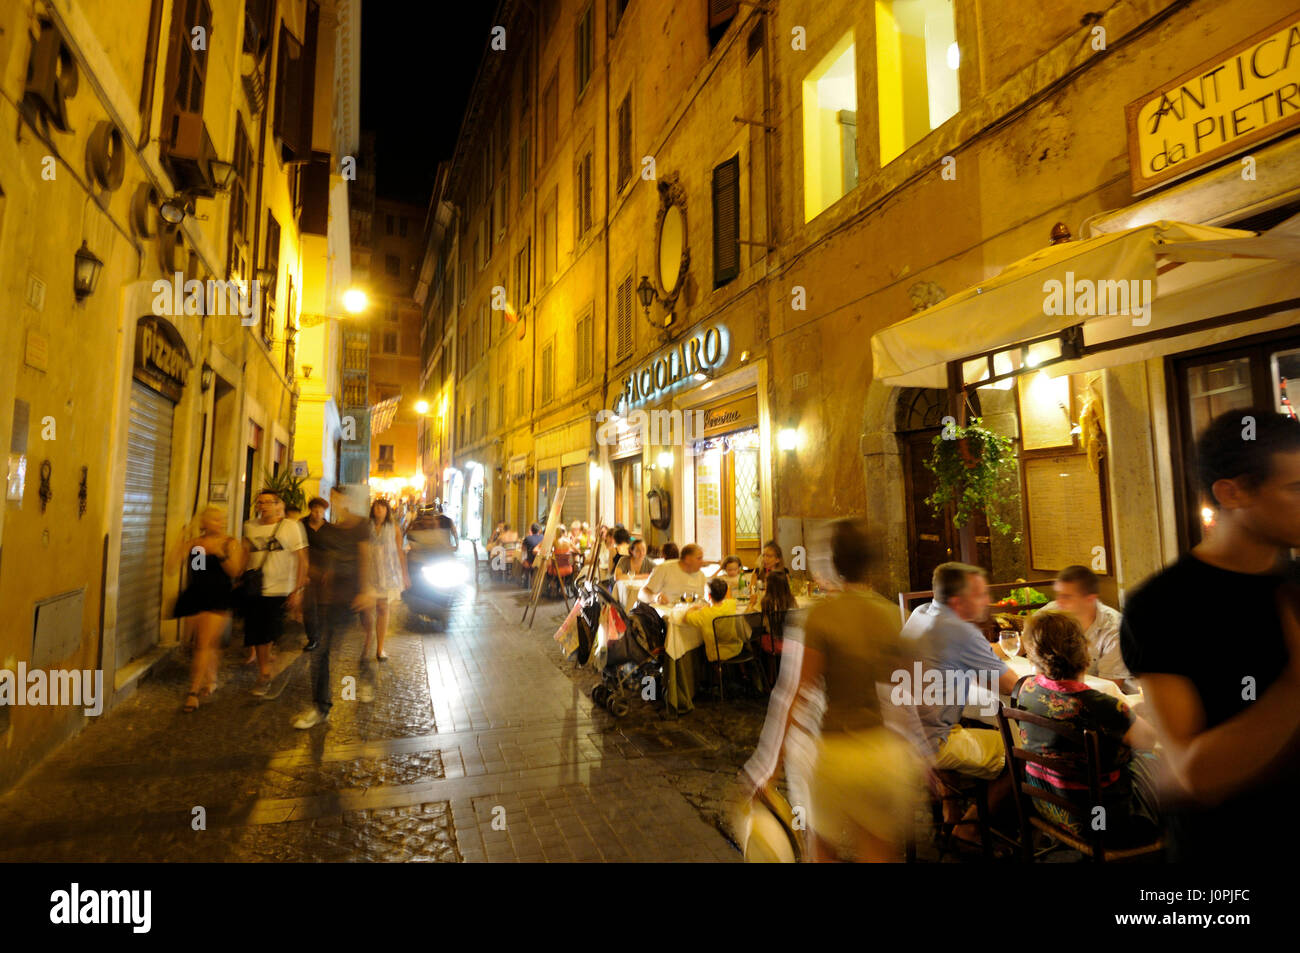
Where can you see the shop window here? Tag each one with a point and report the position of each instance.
(917, 62)
(830, 103)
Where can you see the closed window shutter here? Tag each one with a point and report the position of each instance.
(288, 94)
(721, 11)
(625, 141)
(586, 192)
(726, 221)
(624, 317)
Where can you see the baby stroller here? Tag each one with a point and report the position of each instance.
(629, 659)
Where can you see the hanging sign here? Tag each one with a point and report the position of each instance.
(1222, 107)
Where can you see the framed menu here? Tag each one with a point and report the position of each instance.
(1045, 412)
(1063, 504)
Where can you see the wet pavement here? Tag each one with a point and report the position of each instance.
(481, 744)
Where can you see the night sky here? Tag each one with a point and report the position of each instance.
(418, 62)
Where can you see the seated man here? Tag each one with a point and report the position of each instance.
(671, 578)
(531, 542)
(943, 637)
(1076, 593)
(1055, 644)
(720, 604)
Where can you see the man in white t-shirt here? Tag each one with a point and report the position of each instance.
(672, 578)
(278, 547)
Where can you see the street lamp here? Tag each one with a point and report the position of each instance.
(85, 274)
(355, 301)
(645, 292)
(421, 407)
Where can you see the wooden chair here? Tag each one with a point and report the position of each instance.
(952, 787)
(735, 628)
(1094, 846)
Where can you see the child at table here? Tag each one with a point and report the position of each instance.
(1056, 645)
(720, 604)
(732, 573)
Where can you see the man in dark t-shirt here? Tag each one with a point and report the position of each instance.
(1216, 643)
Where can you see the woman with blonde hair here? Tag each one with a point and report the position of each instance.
(214, 558)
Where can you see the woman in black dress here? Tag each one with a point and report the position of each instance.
(214, 558)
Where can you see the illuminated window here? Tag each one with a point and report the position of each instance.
(830, 109)
(917, 60)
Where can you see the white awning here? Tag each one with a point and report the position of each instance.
(1197, 272)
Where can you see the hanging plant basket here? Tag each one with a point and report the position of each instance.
(969, 464)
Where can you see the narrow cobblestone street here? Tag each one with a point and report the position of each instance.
(466, 723)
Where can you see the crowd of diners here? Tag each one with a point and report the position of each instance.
(1206, 763)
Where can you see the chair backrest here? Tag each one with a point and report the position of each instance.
(564, 560)
(1089, 773)
(730, 628)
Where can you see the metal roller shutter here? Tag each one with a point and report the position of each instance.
(144, 523)
(575, 496)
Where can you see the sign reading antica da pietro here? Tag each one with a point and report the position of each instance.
(705, 349)
(1225, 105)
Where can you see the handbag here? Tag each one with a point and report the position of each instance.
(250, 581)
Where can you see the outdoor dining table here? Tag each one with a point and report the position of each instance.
(683, 650)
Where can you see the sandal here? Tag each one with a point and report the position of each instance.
(191, 706)
(382, 656)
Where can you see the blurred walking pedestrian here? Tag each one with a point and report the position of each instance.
(277, 549)
(317, 530)
(388, 558)
(346, 591)
(213, 558)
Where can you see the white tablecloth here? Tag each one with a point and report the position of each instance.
(625, 590)
(1022, 666)
(683, 636)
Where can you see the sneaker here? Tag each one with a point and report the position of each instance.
(311, 644)
(310, 718)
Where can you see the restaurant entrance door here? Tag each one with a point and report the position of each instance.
(728, 500)
(933, 539)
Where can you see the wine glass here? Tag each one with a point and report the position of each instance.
(1009, 642)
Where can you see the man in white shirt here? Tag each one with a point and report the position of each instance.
(1076, 591)
(671, 578)
(278, 547)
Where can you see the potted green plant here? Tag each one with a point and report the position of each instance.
(289, 488)
(969, 464)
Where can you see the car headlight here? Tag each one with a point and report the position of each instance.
(445, 574)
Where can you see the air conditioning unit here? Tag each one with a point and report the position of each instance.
(51, 76)
(189, 150)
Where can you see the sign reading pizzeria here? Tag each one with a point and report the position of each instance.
(161, 359)
(1222, 107)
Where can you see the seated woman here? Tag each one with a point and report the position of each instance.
(1057, 647)
(636, 563)
(720, 604)
(777, 600)
(773, 561)
(732, 572)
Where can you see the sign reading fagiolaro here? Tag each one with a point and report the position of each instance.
(1227, 104)
(688, 362)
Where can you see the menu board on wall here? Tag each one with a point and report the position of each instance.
(708, 503)
(1063, 501)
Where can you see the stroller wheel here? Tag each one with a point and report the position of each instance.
(618, 707)
(600, 695)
